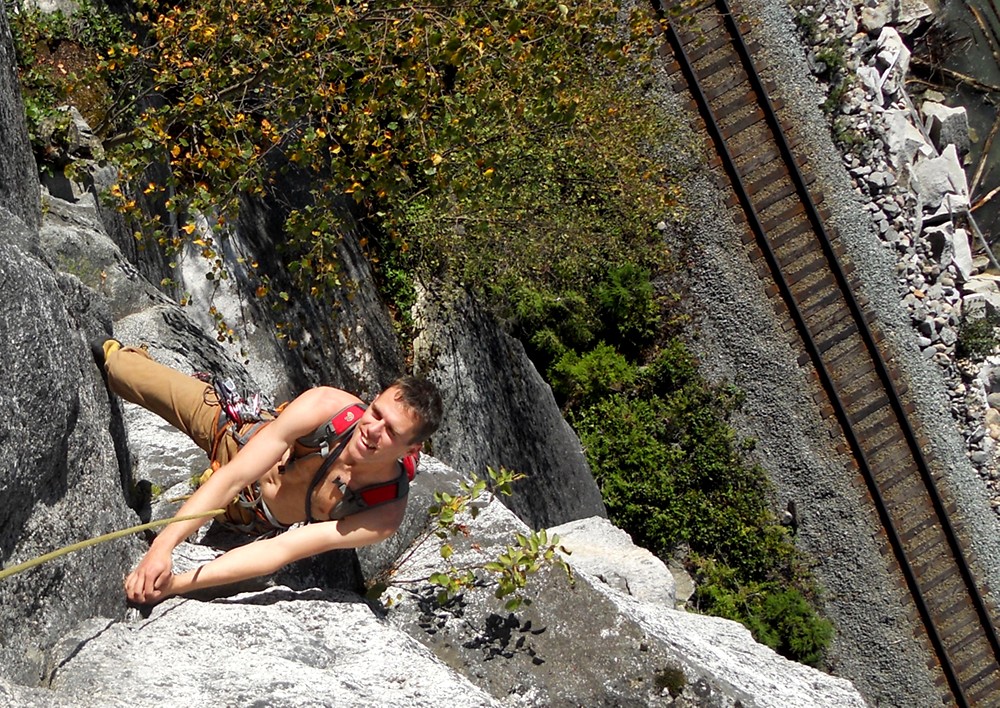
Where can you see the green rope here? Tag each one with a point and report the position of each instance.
(20, 567)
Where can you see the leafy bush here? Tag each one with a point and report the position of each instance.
(592, 376)
(627, 306)
(780, 617)
(405, 110)
(671, 472)
(977, 337)
(57, 63)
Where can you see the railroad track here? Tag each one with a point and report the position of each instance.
(859, 391)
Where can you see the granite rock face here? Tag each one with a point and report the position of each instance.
(294, 644)
(346, 340)
(490, 386)
(60, 481)
(591, 643)
(18, 173)
(277, 647)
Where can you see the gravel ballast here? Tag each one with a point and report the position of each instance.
(741, 341)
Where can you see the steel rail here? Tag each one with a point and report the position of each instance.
(860, 322)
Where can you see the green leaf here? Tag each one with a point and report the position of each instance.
(440, 578)
(513, 604)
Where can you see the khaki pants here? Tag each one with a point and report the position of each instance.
(188, 404)
(191, 406)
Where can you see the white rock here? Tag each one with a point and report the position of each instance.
(603, 550)
(905, 141)
(893, 58)
(947, 125)
(939, 176)
(984, 296)
(962, 258)
(874, 18)
(911, 14)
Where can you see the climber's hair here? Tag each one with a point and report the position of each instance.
(422, 398)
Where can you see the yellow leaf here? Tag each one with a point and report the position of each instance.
(436, 159)
(175, 150)
(320, 132)
(188, 229)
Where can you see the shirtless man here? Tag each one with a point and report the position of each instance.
(278, 468)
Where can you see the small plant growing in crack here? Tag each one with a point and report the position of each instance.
(510, 569)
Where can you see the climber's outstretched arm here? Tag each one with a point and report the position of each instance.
(269, 555)
(303, 415)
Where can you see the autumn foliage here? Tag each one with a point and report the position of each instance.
(384, 103)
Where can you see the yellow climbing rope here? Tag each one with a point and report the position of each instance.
(15, 569)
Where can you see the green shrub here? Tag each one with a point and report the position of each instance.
(977, 338)
(778, 615)
(587, 378)
(671, 472)
(627, 306)
(788, 624)
(565, 317)
(670, 469)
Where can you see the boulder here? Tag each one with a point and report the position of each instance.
(873, 19)
(871, 79)
(963, 254)
(66, 7)
(939, 177)
(892, 60)
(604, 551)
(989, 380)
(948, 246)
(912, 15)
(947, 126)
(981, 294)
(292, 644)
(74, 238)
(904, 140)
(68, 137)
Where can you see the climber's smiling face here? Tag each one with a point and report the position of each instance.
(387, 428)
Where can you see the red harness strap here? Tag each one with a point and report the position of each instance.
(331, 438)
